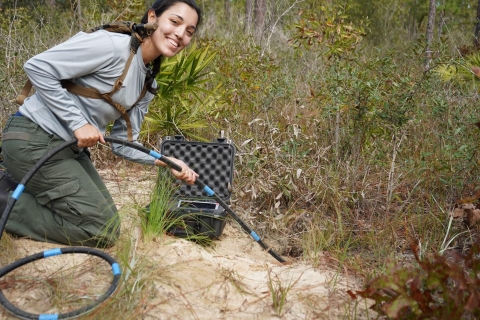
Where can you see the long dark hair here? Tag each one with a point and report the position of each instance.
(160, 6)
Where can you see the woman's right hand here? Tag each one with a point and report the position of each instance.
(88, 136)
(186, 174)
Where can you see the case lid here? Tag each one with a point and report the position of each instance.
(213, 161)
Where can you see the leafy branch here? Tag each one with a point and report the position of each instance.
(443, 287)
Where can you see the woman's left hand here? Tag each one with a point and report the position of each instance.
(187, 174)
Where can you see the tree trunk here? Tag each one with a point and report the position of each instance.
(211, 7)
(413, 21)
(259, 13)
(249, 15)
(79, 10)
(430, 28)
(228, 10)
(477, 27)
(441, 20)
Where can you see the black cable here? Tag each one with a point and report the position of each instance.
(54, 252)
(50, 253)
(205, 188)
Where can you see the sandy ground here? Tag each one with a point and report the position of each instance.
(234, 279)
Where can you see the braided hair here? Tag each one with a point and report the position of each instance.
(160, 6)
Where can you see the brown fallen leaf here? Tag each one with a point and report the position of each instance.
(470, 199)
(472, 217)
(458, 213)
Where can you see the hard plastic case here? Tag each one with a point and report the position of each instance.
(214, 162)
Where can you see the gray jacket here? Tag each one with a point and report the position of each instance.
(93, 60)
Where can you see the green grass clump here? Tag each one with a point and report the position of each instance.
(160, 217)
(155, 219)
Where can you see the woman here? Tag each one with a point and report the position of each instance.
(66, 200)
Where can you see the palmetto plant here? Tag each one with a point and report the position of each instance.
(182, 98)
(468, 68)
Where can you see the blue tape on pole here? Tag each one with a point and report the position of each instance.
(52, 252)
(209, 191)
(48, 317)
(18, 191)
(155, 154)
(254, 236)
(116, 269)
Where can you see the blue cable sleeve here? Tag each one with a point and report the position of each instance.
(18, 191)
(48, 317)
(116, 269)
(52, 252)
(255, 236)
(209, 191)
(155, 154)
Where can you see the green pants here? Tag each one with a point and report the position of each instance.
(66, 201)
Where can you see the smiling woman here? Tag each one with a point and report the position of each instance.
(176, 27)
(66, 201)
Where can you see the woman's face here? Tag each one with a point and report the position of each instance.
(176, 27)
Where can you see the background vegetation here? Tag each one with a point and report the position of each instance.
(346, 142)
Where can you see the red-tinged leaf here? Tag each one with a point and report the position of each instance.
(351, 294)
(436, 278)
(471, 261)
(393, 309)
(457, 256)
(414, 248)
(473, 300)
(474, 265)
(417, 293)
(394, 283)
(439, 289)
(377, 295)
(433, 282)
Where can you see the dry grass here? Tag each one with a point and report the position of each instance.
(320, 171)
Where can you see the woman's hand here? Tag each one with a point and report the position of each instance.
(88, 136)
(187, 174)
